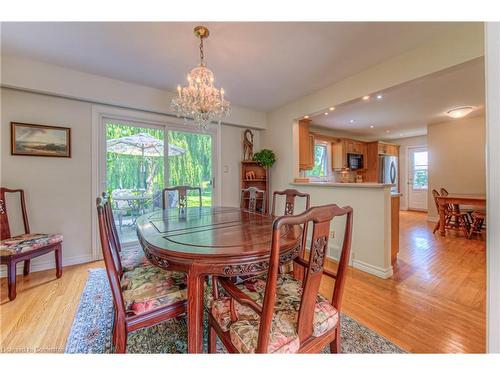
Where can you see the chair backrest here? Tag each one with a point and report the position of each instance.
(4, 219)
(108, 210)
(451, 207)
(435, 195)
(252, 195)
(110, 253)
(444, 192)
(182, 193)
(290, 195)
(320, 217)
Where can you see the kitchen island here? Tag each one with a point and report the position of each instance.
(375, 222)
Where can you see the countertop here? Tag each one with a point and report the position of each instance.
(342, 184)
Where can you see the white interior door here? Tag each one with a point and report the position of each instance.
(418, 178)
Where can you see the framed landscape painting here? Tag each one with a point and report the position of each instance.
(40, 140)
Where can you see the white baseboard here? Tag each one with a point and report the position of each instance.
(374, 270)
(48, 264)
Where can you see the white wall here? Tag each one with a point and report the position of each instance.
(457, 151)
(59, 190)
(404, 143)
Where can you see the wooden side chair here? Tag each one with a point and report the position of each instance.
(290, 197)
(142, 297)
(130, 257)
(24, 247)
(454, 218)
(182, 192)
(276, 313)
(478, 221)
(250, 198)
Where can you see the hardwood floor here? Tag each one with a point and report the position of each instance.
(434, 303)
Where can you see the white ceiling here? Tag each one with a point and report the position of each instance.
(260, 65)
(406, 110)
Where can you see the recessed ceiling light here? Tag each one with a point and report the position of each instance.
(387, 131)
(371, 126)
(306, 116)
(332, 108)
(459, 111)
(401, 134)
(366, 97)
(351, 121)
(379, 97)
(326, 113)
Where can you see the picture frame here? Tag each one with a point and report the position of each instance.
(40, 140)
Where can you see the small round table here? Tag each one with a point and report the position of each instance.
(202, 241)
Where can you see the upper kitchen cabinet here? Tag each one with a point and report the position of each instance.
(341, 148)
(388, 149)
(306, 146)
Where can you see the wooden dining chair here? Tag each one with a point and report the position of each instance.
(24, 247)
(142, 297)
(478, 221)
(289, 208)
(182, 192)
(457, 208)
(250, 199)
(132, 256)
(275, 313)
(454, 218)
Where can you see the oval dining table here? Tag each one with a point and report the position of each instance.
(204, 241)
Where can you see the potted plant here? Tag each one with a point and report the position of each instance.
(265, 158)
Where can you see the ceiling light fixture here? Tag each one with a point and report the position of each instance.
(351, 121)
(366, 97)
(332, 108)
(326, 113)
(371, 126)
(201, 100)
(459, 112)
(387, 131)
(379, 97)
(306, 116)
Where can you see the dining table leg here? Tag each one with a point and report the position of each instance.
(196, 283)
(442, 218)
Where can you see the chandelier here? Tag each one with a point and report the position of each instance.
(201, 100)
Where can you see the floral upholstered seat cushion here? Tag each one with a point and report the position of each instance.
(148, 288)
(283, 338)
(133, 257)
(28, 242)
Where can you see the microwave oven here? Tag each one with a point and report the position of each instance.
(355, 161)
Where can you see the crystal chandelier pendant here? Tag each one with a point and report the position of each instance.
(200, 99)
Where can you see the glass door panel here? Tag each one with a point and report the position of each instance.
(190, 162)
(134, 173)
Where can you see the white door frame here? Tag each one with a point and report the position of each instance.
(492, 52)
(407, 177)
(98, 146)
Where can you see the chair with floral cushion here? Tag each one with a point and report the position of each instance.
(276, 313)
(142, 297)
(24, 247)
(130, 257)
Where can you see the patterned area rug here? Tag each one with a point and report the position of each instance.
(92, 328)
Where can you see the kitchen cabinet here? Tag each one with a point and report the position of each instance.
(388, 149)
(306, 146)
(339, 154)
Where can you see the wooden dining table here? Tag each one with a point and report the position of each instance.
(475, 200)
(204, 241)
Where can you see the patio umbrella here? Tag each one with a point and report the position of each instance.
(141, 144)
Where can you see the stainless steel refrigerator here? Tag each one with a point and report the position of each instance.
(388, 171)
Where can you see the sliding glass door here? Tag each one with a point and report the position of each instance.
(138, 166)
(193, 166)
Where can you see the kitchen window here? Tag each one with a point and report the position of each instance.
(322, 162)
